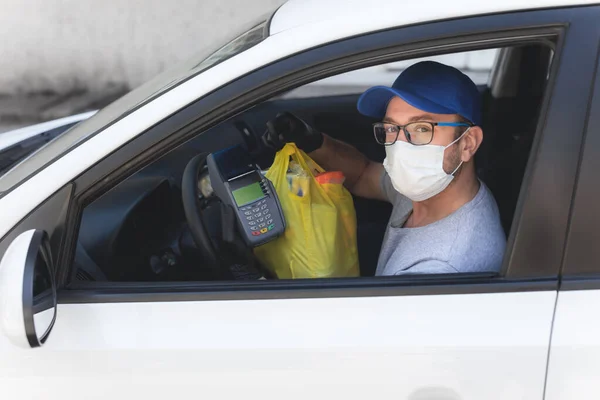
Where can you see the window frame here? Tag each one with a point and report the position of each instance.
(479, 32)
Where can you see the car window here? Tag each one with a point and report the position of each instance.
(137, 231)
(477, 65)
(209, 56)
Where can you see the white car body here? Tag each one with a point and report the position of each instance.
(530, 344)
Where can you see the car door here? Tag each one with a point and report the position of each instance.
(574, 363)
(395, 337)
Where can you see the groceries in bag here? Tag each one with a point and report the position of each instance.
(320, 236)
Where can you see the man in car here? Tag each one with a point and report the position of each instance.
(444, 218)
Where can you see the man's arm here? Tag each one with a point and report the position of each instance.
(363, 176)
(429, 267)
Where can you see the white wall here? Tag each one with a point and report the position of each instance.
(64, 45)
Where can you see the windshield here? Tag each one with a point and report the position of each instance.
(206, 58)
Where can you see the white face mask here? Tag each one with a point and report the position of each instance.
(417, 172)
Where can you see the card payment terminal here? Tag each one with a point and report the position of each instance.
(238, 182)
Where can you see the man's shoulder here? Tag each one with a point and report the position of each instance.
(483, 208)
(480, 241)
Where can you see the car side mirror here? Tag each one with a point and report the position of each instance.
(27, 290)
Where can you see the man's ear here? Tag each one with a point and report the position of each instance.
(470, 143)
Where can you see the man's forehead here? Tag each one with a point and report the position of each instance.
(418, 117)
(400, 112)
(399, 107)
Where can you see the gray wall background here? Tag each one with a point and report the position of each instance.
(63, 56)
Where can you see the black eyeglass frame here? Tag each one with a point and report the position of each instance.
(407, 134)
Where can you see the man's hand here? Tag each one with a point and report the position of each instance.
(286, 127)
(363, 177)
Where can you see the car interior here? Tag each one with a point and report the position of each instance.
(138, 231)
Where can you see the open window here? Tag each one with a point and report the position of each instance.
(137, 231)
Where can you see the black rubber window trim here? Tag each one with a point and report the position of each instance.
(480, 283)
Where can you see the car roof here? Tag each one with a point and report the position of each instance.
(389, 13)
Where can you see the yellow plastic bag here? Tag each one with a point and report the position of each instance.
(320, 235)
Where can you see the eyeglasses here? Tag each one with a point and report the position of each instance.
(417, 133)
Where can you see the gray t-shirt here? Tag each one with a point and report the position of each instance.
(471, 239)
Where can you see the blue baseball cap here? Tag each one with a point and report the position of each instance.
(428, 86)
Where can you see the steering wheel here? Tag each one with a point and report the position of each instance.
(222, 248)
(193, 211)
(226, 254)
